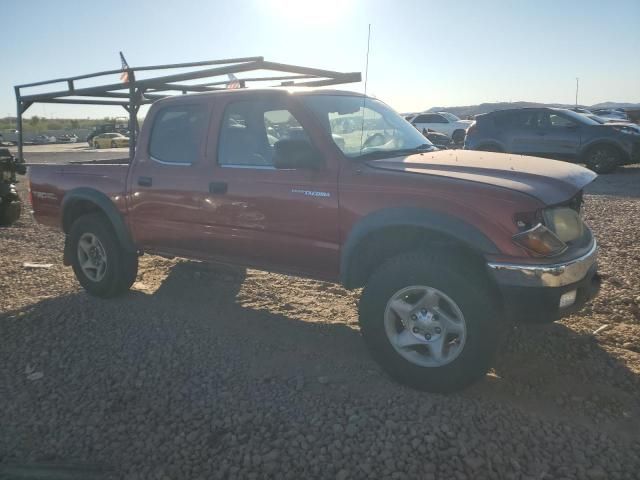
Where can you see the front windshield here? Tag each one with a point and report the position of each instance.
(450, 116)
(360, 126)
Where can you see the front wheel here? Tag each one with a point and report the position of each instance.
(101, 265)
(428, 323)
(113, 144)
(603, 159)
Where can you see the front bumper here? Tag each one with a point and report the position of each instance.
(547, 292)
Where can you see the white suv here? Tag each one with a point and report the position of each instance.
(442, 122)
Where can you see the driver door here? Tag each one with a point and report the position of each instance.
(257, 215)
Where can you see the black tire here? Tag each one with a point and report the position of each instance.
(490, 147)
(113, 144)
(96, 145)
(10, 213)
(603, 158)
(466, 288)
(458, 137)
(121, 265)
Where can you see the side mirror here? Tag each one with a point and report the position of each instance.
(292, 154)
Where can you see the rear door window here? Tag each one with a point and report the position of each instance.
(177, 133)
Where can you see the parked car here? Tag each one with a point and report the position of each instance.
(611, 113)
(613, 121)
(555, 133)
(43, 139)
(440, 140)
(445, 246)
(67, 138)
(110, 140)
(442, 122)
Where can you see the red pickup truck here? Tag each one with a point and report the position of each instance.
(336, 186)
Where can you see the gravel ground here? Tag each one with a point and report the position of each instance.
(207, 372)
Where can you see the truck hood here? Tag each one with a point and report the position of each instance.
(549, 181)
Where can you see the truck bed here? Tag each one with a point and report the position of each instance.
(50, 182)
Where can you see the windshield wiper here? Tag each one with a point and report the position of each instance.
(425, 147)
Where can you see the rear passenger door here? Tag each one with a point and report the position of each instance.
(284, 220)
(525, 135)
(168, 180)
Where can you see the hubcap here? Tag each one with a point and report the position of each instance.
(425, 326)
(92, 257)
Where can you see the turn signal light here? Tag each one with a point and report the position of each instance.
(540, 241)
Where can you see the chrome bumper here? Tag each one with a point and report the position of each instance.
(555, 275)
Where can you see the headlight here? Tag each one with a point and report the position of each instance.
(541, 241)
(564, 222)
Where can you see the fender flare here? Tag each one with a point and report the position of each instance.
(438, 222)
(107, 207)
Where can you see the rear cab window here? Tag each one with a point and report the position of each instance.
(177, 133)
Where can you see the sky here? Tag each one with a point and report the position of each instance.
(423, 53)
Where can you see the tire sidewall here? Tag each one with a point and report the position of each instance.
(481, 326)
(607, 167)
(92, 224)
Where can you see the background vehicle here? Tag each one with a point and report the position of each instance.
(67, 138)
(612, 121)
(555, 133)
(442, 122)
(612, 113)
(43, 139)
(110, 140)
(444, 246)
(10, 204)
(119, 125)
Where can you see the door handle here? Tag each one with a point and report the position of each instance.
(218, 187)
(145, 181)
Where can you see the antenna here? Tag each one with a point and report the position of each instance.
(577, 84)
(366, 77)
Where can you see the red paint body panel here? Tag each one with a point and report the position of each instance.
(295, 220)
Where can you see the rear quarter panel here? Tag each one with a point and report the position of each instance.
(50, 183)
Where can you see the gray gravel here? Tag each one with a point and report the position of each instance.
(209, 372)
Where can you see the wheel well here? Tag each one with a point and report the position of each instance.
(381, 245)
(623, 155)
(76, 209)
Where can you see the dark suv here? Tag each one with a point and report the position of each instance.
(555, 133)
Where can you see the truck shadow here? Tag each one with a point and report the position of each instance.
(192, 335)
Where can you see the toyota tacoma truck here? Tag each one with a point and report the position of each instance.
(447, 245)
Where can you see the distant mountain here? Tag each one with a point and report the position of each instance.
(471, 110)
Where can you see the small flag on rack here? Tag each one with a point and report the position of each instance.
(124, 76)
(233, 81)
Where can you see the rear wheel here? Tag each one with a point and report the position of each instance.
(10, 212)
(428, 323)
(603, 159)
(113, 144)
(96, 145)
(101, 265)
